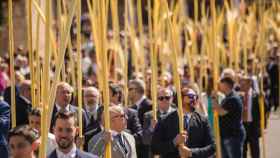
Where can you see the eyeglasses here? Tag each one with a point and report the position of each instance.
(161, 98)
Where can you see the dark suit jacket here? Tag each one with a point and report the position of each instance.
(147, 131)
(72, 109)
(200, 139)
(4, 122)
(7, 94)
(22, 111)
(256, 115)
(133, 125)
(79, 154)
(93, 127)
(145, 106)
(273, 73)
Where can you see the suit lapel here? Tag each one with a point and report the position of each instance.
(117, 148)
(53, 154)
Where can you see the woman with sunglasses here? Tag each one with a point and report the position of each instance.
(196, 141)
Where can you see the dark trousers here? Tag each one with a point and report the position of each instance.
(252, 139)
(4, 151)
(232, 147)
(142, 151)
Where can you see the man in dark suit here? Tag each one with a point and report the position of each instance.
(23, 103)
(273, 72)
(65, 131)
(196, 141)
(62, 103)
(164, 108)
(142, 104)
(250, 117)
(4, 126)
(91, 98)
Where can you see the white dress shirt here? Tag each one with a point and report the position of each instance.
(71, 154)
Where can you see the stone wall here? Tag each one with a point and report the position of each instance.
(19, 26)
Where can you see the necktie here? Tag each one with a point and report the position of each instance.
(186, 122)
(119, 137)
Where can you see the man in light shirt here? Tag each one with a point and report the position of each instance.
(65, 131)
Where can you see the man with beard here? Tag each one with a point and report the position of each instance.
(65, 131)
(91, 106)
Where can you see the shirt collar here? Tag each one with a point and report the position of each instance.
(114, 133)
(140, 101)
(71, 154)
(25, 99)
(167, 112)
(94, 109)
(58, 107)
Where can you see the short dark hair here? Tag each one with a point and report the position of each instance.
(116, 89)
(65, 115)
(25, 131)
(35, 112)
(229, 81)
(140, 85)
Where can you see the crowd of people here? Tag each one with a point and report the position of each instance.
(135, 130)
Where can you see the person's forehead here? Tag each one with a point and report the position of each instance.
(92, 91)
(34, 117)
(64, 88)
(65, 123)
(164, 92)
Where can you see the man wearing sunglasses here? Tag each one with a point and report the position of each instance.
(165, 107)
(195, 142)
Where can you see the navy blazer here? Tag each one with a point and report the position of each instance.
(200, 139)
(79, 154)
(145, 106)
(4, 121)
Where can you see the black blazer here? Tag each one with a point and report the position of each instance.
(256, 114)
(79, 154)
(145, 106)
(200, 138)
(93, 127)
(22, 111)
(72, 109)
(147, 132)
(133, 124)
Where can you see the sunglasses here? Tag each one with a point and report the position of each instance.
(161, 98)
